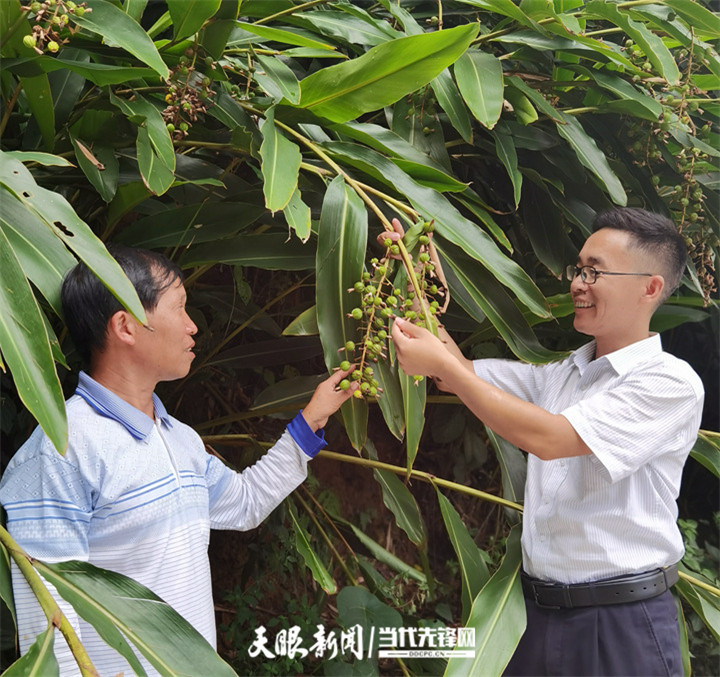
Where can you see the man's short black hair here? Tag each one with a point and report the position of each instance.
(653, 234)
(88, 304)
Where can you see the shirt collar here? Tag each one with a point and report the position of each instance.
(108, 404)
(620, 360)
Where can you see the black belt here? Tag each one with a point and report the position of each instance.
(620, 590)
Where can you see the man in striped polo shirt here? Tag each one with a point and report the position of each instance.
(608, 431)
(136, 492)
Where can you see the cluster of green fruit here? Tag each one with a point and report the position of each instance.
(188, 96)
(381, 302)
(50, 19)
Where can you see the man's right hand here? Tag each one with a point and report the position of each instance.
(328, 398)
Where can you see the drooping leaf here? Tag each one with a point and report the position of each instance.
(705, 604)
(45, 159)
(305, 324)
(505, 148)
(283, 36)
(39, 98)
(513, 467)
(119, 608)
(298, 216)
(215, 34)
(498, 617)
(312, 561)
(288, 395)
(101, 167)
(473, 570)
(278, 80)
(26, 349)
(358, 30)
(707, 451)
(382, 75)
(280, 164)
(342, 241)
(401, 503)
(480, 79)
(452, 103)
(6, 590)
(699, 17)
(391, 400)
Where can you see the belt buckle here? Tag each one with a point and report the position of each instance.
(537, 599)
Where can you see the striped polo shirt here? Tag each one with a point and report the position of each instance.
(137, 496)
(614, 511)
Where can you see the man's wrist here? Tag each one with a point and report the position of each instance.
(309, 439)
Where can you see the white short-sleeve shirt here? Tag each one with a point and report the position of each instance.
(614, 511)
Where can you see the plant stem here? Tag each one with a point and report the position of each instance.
(700, 584)
(9, 108)
(290, 10)
(11, 31)
(48, 604)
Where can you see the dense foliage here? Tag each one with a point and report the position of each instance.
(263, 145)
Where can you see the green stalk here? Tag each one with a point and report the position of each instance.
(290, 10)
(700, 584)
(48, 604)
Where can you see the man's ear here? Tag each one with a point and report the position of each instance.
(123, 327)
(654, 289)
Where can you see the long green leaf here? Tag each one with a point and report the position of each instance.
(289, 394)
(505, 148)
(479, 76)
(513, 468)
(473, 570)
(104, 177)
(6, 590)
(451, 102)
(270, 251)
(382, 75)
(353, 29)
(98, 73)
(698, 17)
(706, 605)
(26, 348)
(188, 16)
(287, 37)
(312, 561)
(652, 45)
(64, 223)
(215, 34)
(298, 216)
(280, 164)
(305, 324)
(119, 607)
(45, 159)
(706, 451)
(39, 661)
(120, 30)
(278, 80)
(342, 241)
(391, 400)
(401, 503)
(498, 617)
(42, 256)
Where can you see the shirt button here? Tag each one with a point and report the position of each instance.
(542, 538)
(562, 462)
(546, 501)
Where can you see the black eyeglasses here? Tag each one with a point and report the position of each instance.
(589, 275)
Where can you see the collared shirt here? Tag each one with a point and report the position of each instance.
(614, 511)
(137, 496)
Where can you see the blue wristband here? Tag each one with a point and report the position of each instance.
(310, 442)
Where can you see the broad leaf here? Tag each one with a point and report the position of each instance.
(701, 19)
(280, 164)
(305, 324)
(100, 165)
(473, 570)
(498, 617)
(342, 241)
(39, 98)
(451, 102)
(26, 349)
(382, 75)
(121, 609)
(505, 148)
(480, 79)
(278, 80)
(45, 159)
(119, 30)
(298, 216)
(188, 16)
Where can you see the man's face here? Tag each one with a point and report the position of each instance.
(611, 307)
(167, 349)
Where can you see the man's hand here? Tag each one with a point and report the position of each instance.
(328, 398)
(417, 350)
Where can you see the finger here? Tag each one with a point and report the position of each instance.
(339, 375)
(398, 227)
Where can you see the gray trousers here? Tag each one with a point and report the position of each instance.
(640, 639)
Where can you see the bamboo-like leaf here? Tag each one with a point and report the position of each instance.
(39, 98)
(26, 349)
(268, 353)
(414, 399)
(274, 34)
(504, 8)
(342, 241)
(104, 177)
(391, 400)
(215, 34)
(278, 80)
(280, 164)
(705, 605)
(706, 451)
(39, 661)
(270, 251)
(43, 257)
(525, 112)
(473, 570)
(188, 16)
(357, 30)
(513, 468)
(479, 77)
(135, 8)
(305, 324)
(684, 640)
(119, 30)
(430, 177)
(65, 224)
(382, 75)
(626, 92)
(505, 148)
(702, 20)
(473, 288)
(498, 617)
(6, 590)
(652, 45)
(45, 159)
(401, 503)
(290, 394)
(298, 216)
(312, 561)
(119, 607)
(451, 102)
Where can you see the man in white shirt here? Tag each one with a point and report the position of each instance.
(136, 492)
(607, 430)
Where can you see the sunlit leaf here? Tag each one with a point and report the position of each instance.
(312, 561)
(401, 503)
(188, 16)
(280, 164)
(479, 76)
(39, 661)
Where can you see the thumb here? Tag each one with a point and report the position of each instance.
(408, 328)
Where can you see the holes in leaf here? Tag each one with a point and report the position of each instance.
(63, 228)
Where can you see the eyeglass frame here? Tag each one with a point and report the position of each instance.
(572, 271)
